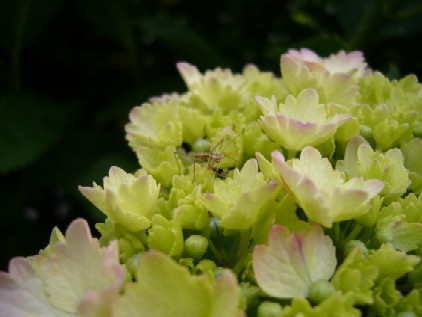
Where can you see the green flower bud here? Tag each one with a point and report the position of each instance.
(201, 145)
(196, 246)
(268, 309)
(133, 264)
(205, 266)
(366, 132)
(320, 290)
(187, 262)
(353, 244)
(251, 294)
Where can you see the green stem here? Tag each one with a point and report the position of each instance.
(368, 25)
(336, 233)
(291, 154)
(215, 252)
(242, 253)
(16, 50)
(409, 13)
(355, 232)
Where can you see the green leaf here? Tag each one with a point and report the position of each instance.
(183, 40)
(22, 21)
(353, 14)
(110, 19)
(29, 125)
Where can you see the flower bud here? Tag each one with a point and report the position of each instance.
(268, 309)
(320, 290)
(132, 264)
(205, 266)
(354, 244)
(196, 246)
(201, 145)
(251, 295)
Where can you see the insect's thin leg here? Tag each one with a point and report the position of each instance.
(210, 164)
(233, 140)
(194, 173)
(177, 161)
(216, 145)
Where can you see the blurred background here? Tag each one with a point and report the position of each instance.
(70, 71)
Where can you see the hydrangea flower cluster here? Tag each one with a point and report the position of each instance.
(257, 195)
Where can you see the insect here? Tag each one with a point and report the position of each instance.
(213, 156)
(217, 158)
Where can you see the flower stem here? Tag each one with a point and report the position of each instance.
(16, 49)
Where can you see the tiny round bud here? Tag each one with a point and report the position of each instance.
(132, 264)
(353, 244)
(268, 309)
(205, 266)
(196, 246)
(320, 290)
(251, 294)
(201, 145)
(366, 131)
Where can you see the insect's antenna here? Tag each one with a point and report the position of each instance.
(194, 172)
(214, 147)
(226, 145)
(177, 161)
(238, 134)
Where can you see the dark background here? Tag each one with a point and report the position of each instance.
(70, 71)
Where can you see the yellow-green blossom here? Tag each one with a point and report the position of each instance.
(300, 121)
(129, 200)
(321, 191)
(387, 167)
(412, 152)
(162, 164)
(217, 89)
(334, 79)
(361, 160)
(166, 236)
(238, 201)
(164, 288)
(400, 223)
(352, 63)
(390, 111)
(155, 124)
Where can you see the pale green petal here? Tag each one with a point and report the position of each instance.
(78, 266)
(291, 262)
(238, 201)
(300, 121)
(321, 191)
(155, 124)
(162, 164)
(352, 63)
(333, 87)
(54, 283)
(164, 288)
(165, 236)
(129, 200)
(22, 293)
